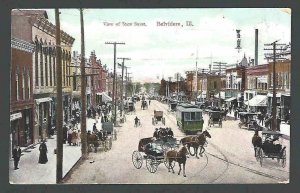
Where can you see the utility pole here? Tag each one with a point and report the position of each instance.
(59, 108)
(220, 66)
(114, 106)
(83, 92)
(122, 103)
(126, 82)
(274, 56)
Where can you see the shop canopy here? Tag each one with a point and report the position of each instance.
(258, 101)
(105, 97)
(230, 99)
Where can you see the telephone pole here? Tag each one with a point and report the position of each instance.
(274, 56)
(122, 103)
(114, 106)
(59, 108)
(126, 80)
(220, 66)
(83, 91)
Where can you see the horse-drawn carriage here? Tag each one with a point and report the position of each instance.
(267, 148)
(129, 107)
(99, 139)
(247, 121)
(189, 118)
(144, 105)
(215, 117)
(153, 153)
(158, 116)
(108, 127)
(173, 105)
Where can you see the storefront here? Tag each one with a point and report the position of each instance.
(43, 117)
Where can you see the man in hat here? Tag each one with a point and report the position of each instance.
(16, 155)
(155, 134)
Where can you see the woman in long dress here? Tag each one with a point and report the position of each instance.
(43, 153)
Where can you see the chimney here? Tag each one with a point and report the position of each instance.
(256, 47)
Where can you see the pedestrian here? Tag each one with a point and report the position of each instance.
(16, 156)
(149, 102)
(43, 153)
(95, 128)
(65, 133)
(235, 114)
(79, 137)
(278, 123)
(70, 136)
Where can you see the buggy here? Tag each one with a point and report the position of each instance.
(215, 117)
(152, 152)
(158, 116)
(247, 121)
(270, 150)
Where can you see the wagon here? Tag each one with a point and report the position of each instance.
(109, 128)
(247, 121)
(158, 116)
(129, 107)
(151, 151)
(215, 117)
(270, 150)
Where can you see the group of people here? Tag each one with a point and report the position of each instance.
(163, 133)
(71, 135)
(17, 152)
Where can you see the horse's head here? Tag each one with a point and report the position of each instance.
(206, 133)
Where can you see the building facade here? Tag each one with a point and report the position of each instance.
(21, 92)
(33, 26)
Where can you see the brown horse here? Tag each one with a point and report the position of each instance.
(196, 141)
(177, 156)
(93, 139)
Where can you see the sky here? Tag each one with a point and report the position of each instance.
(161, 51)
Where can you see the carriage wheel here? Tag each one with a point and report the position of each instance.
(283, 158)
(115, 134)
(151, 164)
(137, 159)
(168, 165)
(260, 155)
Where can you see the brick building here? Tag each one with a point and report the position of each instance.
(21, 92)
(33, 26)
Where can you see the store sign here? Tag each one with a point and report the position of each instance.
(15, 116)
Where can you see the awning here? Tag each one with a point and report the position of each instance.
(15, 116)
(105, 97)
(230, 99)
(277, 95)
(42, 100)
(262, 80)
(258, 101)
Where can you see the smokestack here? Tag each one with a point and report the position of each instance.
(256, 47)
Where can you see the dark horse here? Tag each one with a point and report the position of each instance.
(196, 141)
(256, 142)
(177, 156)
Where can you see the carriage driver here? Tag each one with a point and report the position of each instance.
(155, 134)
(136, 121)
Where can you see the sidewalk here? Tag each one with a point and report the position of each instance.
(31, 172)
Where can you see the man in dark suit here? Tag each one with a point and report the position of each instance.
(16, 156)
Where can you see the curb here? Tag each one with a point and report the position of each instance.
(68, 172)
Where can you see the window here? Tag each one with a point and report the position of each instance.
(28, 83)
(198, 116)
(36, 61)
(17, 85)
(193, 116)
(187, 116)
(23, 84)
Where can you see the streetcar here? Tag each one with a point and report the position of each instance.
(189, 118)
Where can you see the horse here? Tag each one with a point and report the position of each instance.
(93, 139)
(196, 141)
(177, 156)
(256, 142)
